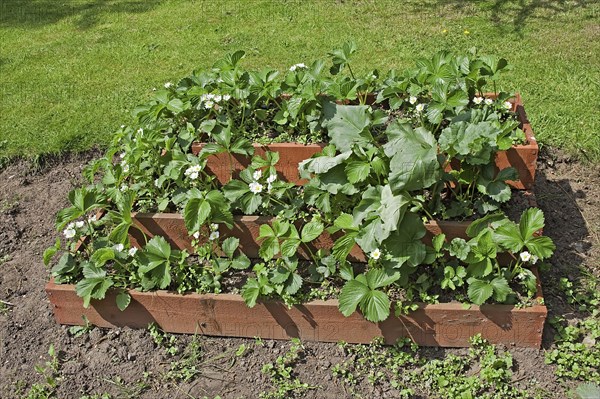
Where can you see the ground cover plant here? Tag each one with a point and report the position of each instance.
(384, 171)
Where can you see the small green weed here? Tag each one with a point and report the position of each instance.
(129, 391)
(577, 346)
(164, 340)
(49, 371)
(448, 378)
(452, 377)
(78, 331)
(187, 367)
(5, 307)
(96, 396)
(377, 363)
(285, 383)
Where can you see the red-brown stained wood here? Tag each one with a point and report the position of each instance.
(290, 155)
(447, 325)
(521, 157)
(171, 226)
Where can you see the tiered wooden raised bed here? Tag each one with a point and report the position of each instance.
(521, 157)
(447, 324)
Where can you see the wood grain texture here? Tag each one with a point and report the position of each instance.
(447, 325)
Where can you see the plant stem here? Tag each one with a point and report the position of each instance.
(350, 70)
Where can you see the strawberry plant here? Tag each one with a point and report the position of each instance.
(400, 150)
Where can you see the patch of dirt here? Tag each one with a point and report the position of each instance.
(127, 363)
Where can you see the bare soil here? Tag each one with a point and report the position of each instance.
(127, 363)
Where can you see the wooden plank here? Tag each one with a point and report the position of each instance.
(447, 325)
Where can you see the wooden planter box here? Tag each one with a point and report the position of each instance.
(448, 325)
(522, 157)
(172, 227)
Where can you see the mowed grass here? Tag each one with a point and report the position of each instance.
(71, 71)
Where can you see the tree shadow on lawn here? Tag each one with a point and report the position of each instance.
(37, 13)
(510, 16)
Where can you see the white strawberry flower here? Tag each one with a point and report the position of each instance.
(122, 155)
(488, 101)
(124, 187)
(271, 179)
(256, 187)
(125, 166)
(79, 224)
(412, 100)
(376, 254)
(525, 256)
(226, 97)
(208, 104)
(507, 105)
(214, 227)
(69, 233)
(218, 98)
(140, 131)
(269, 187)
(477, 100)
(521, 276)
(92, 219)
(157, 183)
(257, 174)
(297, 66)
(196, 235)
(132, 251)
(168, 85)
(534, 259)
(118, 247)
(193, 172)
(214, 236)
(420, 107)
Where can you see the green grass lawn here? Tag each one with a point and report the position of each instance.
(71, 71)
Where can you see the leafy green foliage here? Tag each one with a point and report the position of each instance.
(94, 284)
(422, 148)
(50, 372)
(155, 264)
(576, 353)
(413, 157)
(363, 291)
(82, 201)
(204, 207)
(406, 372)
(347, 125)
(514, 238)
(281, 374)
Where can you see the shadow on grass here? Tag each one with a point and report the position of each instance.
(510, 15)
(86, 14)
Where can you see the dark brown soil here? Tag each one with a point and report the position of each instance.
(127, 363)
